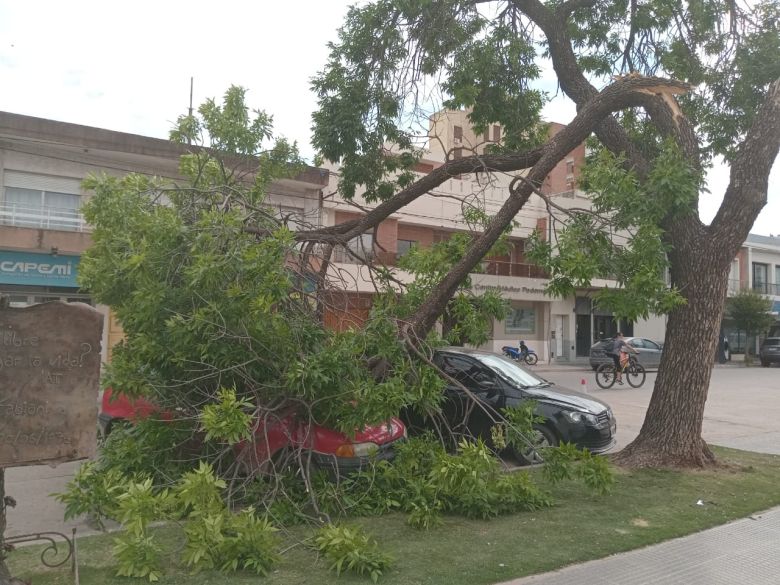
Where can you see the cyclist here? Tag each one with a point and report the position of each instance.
(619, 354)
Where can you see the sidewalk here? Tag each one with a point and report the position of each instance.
(742, 552)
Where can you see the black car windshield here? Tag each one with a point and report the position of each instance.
(511, 371)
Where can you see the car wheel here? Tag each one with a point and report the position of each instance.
(542, 438)
(605, 376)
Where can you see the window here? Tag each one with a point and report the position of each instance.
(362, 245)
(457, 153)
(17, 301)
(403, 247)
(637, 343)
(570, 167)
(457, 134)
(651, 344)
(441, 237)
(357, 249)
(760, 277)
(777, 277)
(292, 217)
(520, 320)
(45, 209)
(496, 133)
(467, 373)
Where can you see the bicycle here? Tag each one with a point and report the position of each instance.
(633, 371)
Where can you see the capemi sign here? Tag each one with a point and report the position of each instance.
(49, 379)
(38, 269)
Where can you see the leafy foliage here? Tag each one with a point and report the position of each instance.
(622, 238)
(426, 482)
(520, 421)
(751, 312)
(566, 462)
(216, 537)
(227, 419)
(351, 549)
(92, 492)
(137, 556)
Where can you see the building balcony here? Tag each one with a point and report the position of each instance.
(42, 217)
(766, 288)
(500, 268)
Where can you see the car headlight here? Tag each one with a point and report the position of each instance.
(576, 416)
(356, 449)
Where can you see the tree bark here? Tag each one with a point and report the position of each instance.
(671, 432)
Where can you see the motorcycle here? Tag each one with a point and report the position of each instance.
(521, 354)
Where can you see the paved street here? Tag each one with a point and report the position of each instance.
(743, 406)
(743, 411)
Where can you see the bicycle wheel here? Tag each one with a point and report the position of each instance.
(531, 359)
(635, 374)
(605, 376)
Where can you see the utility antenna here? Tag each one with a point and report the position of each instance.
(191, 84)
(189, 140)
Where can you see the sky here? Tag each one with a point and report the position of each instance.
(127, 66)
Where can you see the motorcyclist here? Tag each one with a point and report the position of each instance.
(523, 349)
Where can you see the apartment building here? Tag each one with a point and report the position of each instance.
(42, 230)
(43, 233)
(560, 330)
(757, 268)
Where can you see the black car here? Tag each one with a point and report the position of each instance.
(649, 352)
(770, 351)
(498, 382)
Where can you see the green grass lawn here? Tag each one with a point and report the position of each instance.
(645, 507)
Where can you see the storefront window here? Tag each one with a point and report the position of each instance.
(520, 320)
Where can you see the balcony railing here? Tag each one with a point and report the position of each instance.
(766, 288)
(42, 217)
(499, 268)
(345, 256)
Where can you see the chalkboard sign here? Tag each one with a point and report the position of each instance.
(49, 380)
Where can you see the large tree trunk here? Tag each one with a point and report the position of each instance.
(671, 432)
(699, 263)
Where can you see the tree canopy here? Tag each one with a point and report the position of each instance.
(663, 86)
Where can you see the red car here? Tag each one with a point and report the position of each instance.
(330, 450)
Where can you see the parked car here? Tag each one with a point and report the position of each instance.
(500, 382)
(649, 352)
(331, 450)
(770, 351)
